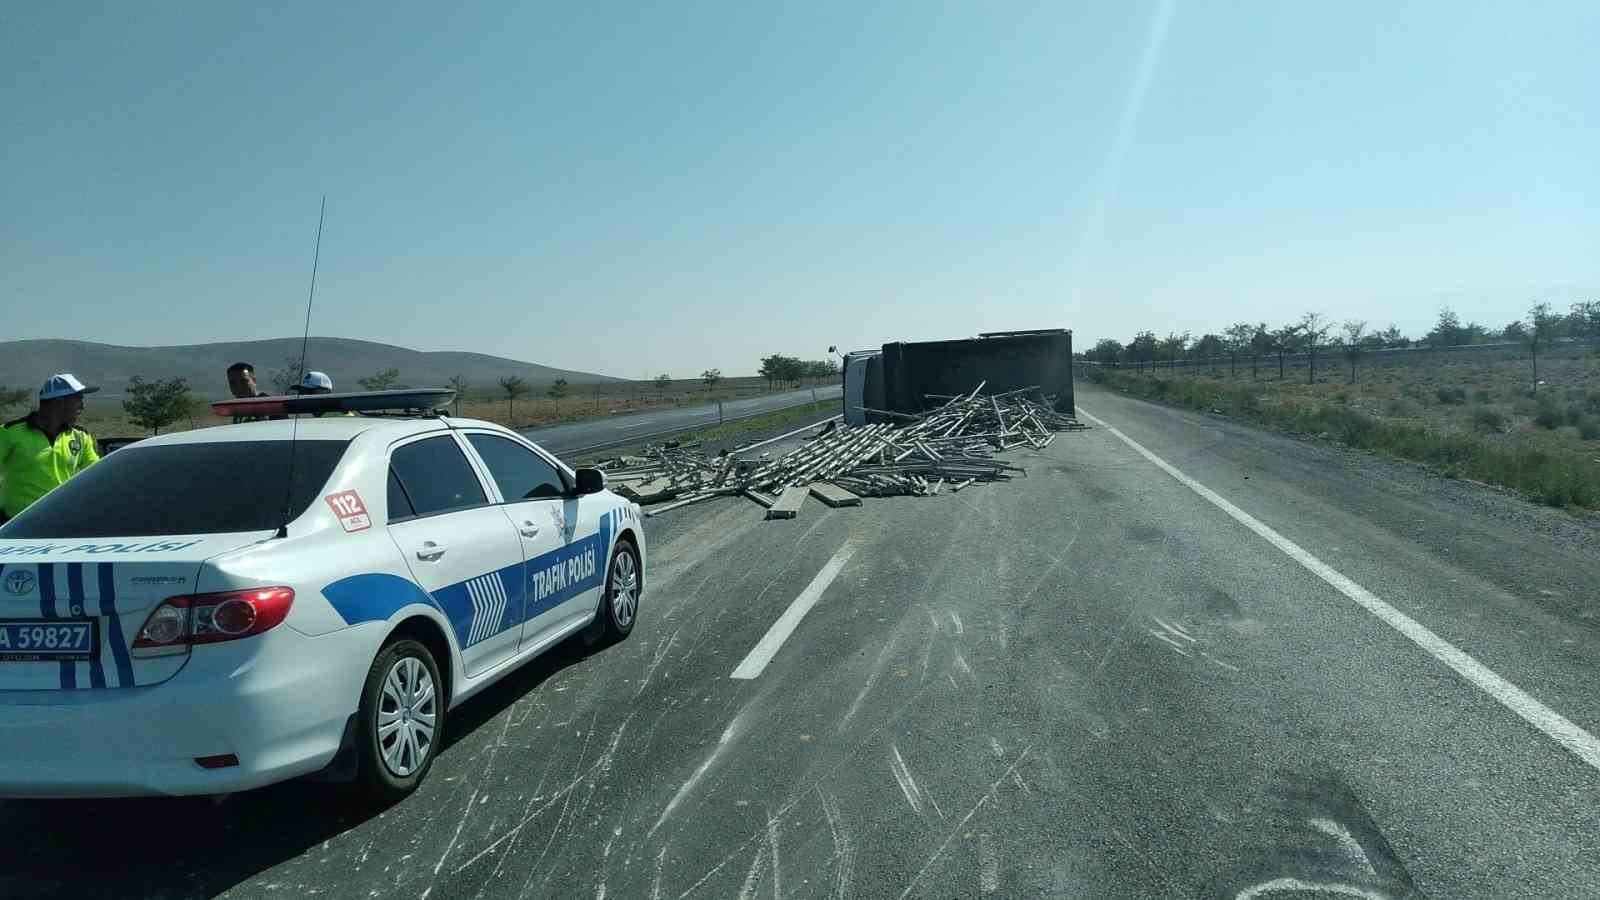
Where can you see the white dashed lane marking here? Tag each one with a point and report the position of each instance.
(772, 641)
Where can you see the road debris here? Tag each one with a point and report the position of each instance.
(945, 449)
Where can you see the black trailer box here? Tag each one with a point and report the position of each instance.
(905, 373)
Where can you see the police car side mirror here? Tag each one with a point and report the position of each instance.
(591, 481)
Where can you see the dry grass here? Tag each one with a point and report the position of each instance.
(105, 418)
(1469, 417)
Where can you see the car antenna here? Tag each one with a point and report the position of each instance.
(305, 339)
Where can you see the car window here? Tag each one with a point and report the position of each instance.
(399, 503)
(436, 476)
(520, 473)
(211, 488)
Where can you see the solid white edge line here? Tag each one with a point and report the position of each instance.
(1558, 728)
(772, 641)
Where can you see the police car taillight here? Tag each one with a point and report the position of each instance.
(211, 618)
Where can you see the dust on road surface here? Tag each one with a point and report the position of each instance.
(1093, 682)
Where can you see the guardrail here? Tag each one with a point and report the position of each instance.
(688, 426)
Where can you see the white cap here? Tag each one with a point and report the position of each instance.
(64, 385)
(316, 380)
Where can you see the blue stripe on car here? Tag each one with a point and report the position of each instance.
(458, 604)
(80, 604)
(529, 589)
(373, 596)
(108, 608)
(47, 590)
(554, 578)
(47, 608)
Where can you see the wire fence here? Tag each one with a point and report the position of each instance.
(1331, 363)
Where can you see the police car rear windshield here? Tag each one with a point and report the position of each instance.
(213, 488)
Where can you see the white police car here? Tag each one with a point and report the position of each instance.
(205, 612)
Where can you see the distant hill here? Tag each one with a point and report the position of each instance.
(25, 364)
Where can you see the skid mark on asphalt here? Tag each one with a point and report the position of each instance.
(1341, 834)
(655, 886)
(843, 850)
(561, 795)
(846, 758)
(962, 667)
(472, 801)
(872, 678)
(902, 777)
(728, 734)
(1174, 636)
(987, 796)
(777, 867)
(516, 833)
(1172, 629)
(988, 865)
(566, 804)
(1177, 647)
(747, 890)
(605, 858)
(1567, 734)
(663, 647)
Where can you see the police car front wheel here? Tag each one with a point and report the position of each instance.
(619, 604)
(402, 719)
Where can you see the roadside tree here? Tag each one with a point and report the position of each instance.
(157, 404)
(1355, 343)
(514, 386)
(382, 380)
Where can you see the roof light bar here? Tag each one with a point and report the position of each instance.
(360, 401)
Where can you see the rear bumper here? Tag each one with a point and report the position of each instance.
(278, 702)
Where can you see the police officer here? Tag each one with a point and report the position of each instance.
(317, 383)
(242, 381)
(41, 450)
(242, 384)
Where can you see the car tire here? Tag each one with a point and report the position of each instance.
(619, 602)
(402, 696)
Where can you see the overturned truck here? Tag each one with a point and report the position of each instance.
(914, 377)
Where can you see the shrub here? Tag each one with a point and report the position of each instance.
(1403, 409)
(1488, 419)
(1415, 391)
(1551, 478)
(1524, 407)
(1482, 396)
(1452, 395)
(1549, 415)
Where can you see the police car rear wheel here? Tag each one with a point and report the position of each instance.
(619, 607)
(402, 719)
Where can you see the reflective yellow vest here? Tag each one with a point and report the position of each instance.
(33, 465)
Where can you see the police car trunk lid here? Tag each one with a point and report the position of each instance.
(110, 584)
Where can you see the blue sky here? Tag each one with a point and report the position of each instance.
(634, 188)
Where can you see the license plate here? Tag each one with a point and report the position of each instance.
(37, 640)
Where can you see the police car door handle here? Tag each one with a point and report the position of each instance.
(529, 530)
(430, 552)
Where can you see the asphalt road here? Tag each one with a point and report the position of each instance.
(1092, 682)
(617, 431)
